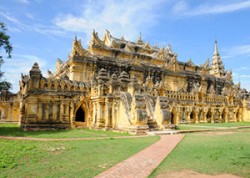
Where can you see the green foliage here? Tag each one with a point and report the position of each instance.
(4, 85)
(211, 154)
(4, 41)
(211, 125)
(7, 47)
(66, 158)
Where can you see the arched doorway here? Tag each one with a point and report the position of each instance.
(80, 115)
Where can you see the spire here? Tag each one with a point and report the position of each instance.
(216, 52)
(140, 41)
(217, 68)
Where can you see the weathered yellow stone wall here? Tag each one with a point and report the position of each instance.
(9, 112)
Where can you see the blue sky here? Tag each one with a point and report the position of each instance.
(43, 30)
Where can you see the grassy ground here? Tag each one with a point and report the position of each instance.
(14, 130)
(66, 158)
(211, 154)
(211, 125)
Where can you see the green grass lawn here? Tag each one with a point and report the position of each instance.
(210, 154)
(66, 158)
(211, 125)
(15, 130)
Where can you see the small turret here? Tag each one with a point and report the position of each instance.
(35, 76)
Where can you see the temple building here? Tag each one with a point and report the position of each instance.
(130, 86)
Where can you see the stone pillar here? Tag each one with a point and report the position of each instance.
(235, 115)
(72, 115)
(115, 113)
(177, 117)
(205, 117)
(39, 111)
(226, 115)
(50, 111)
(196, 114)
(212, 115)
(58, 111)
(62, 111)
(240, 115)
(188, 117)
(108, 113)
(93, 115)
(100, 117)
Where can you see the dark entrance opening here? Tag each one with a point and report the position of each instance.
(209, 116)
(80, 115)
(172, 118)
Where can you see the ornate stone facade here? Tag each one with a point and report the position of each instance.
(123, 85)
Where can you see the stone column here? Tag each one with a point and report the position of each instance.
(240, 115)
(196, 114)
(177, 116)
(108, 113)
(115, 113)
(94, 115)
(72, 109)
(205, 117)
(100, 120)
(212, 115)
(188, 117)
(50, 111)
(58, 111)
(226, 115)
(235, 115)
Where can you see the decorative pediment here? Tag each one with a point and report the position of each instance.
(77, 49)
(95, 40)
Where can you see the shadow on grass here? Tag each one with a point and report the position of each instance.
(16, 131)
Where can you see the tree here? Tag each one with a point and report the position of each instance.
(7, 47)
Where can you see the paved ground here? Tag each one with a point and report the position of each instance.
(143, 163)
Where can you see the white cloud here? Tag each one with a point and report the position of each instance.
(245, 76)
(183, 9)
(30, 16)
(10, 18)
(242, 69)
(244, 80)
(126, 17)
(241, 50)
(246, 85)
(13, 68)
(19, 26)
(23, 1)
(180, 7)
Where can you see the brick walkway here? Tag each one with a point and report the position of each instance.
(143, 163)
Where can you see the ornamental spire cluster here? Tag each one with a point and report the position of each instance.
(217, 68)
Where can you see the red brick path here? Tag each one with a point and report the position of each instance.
(143, 163)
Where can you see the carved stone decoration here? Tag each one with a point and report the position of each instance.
(196, 87)
(162, 113)
(190, 62)
(206, 65)
(211, 89)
